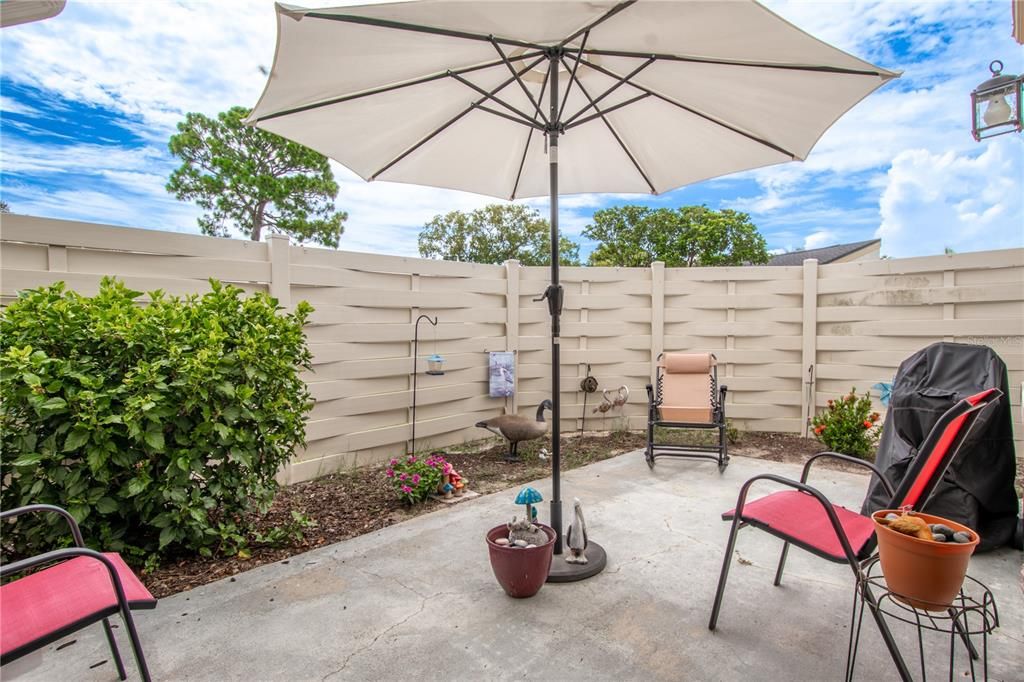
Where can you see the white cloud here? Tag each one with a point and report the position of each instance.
(967, 203)
(821, 238)
(9, 105)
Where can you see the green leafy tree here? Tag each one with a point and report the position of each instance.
(4, 207)
(251, 180)
(494, 234)
(689, 236)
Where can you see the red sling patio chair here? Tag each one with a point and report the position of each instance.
(804, 517)
(85, 587)
(686, 395)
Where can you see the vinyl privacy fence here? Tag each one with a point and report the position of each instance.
(787, 338)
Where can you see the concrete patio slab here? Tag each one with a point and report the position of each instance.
(418, 601)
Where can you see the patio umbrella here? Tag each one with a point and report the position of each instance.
(528, 98)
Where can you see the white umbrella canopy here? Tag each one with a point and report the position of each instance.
(479, 95)
(713, 88)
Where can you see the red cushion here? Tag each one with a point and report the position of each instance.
(801, 517)
(73, 591)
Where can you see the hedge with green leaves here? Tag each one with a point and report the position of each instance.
(161, 427)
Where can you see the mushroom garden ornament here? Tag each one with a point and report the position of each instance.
(529, 497)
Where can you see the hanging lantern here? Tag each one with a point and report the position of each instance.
(996, 104)
(435, 365)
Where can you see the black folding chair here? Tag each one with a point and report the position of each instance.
(82, 587)
(804, 517)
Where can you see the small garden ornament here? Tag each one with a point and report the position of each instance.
(529, 497)
(576, 537)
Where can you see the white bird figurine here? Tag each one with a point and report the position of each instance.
(576, 538)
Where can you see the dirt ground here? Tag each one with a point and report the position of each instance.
(348, 504)
(352, 503)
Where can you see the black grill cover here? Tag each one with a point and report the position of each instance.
(977, 490)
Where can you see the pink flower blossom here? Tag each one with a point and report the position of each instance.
(403, 476)
(406, 489)
(393, 462)
(412, 459)
(390, 473)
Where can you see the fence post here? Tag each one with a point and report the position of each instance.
(57, 258)
(278, 248)
(280, 286)
(657, 314)
(809, 356)
(948, 309)
(512, 328)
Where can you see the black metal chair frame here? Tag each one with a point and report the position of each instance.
(856, 560)
(123, 606)
(717, 453)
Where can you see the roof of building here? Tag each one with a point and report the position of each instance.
(826, 254)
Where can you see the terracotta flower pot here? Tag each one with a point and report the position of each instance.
(926, 574)
(520, 571)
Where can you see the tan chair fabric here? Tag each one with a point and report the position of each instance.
(687, 363)
(686, 388)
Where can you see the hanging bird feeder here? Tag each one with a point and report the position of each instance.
(435, 365)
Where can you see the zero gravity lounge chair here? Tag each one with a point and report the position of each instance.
(686, 396)
(803, 516)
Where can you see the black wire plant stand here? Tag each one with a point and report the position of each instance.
(972, 613)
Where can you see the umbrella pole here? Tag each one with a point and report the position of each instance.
(554, 295)
(561, 570)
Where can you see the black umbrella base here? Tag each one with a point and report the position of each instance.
(564, 572)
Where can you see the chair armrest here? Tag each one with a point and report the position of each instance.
(852, 460)
(31, 508)
(69, 553)
(802, 487)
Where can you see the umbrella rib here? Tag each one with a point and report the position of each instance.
(600, 20)
(451, 121)
(611, 129)
(395, 86)
(572, 74)
(519, 80)
(515, 119)
(523, 118)
(732, 62)
(600, 113)
(420, 28)
(693, 111)
(522, 164)
(529, 139)
(622, 80)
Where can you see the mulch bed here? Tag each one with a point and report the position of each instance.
(352, 503)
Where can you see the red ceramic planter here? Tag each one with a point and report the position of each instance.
(520, 571)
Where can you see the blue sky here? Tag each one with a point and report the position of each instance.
(89, 99)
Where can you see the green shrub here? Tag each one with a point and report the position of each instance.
(160, 427)
(848, 426)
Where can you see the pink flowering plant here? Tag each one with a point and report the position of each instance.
(414, 478)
